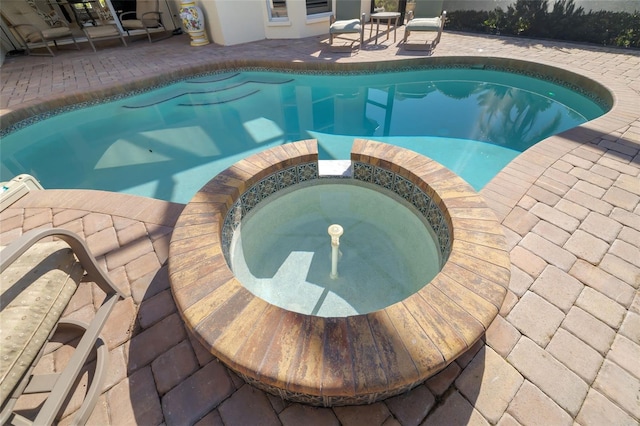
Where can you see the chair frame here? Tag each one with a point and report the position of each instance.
(90, 39)
(61, 384)
(44, 41)
(154, 16)
(332, 20)
(436, 40)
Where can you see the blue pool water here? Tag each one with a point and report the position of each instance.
(169, 142)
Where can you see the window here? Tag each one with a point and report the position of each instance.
(318, 6)
(277, 9)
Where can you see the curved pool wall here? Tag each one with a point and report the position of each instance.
(357, 359)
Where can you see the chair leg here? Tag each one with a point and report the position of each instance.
(102, 358)
(46, 44)
(91, 43)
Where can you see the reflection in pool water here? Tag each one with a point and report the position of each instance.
(168, 142)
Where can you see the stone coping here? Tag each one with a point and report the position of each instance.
(347, 360)
(45, 108)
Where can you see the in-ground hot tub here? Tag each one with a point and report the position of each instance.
(282, 250)
(352, 358)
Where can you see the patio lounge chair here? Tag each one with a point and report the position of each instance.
(428, 17)
(38, 280)
(345, 20)
(103, 32)
(31, 29)
(146, 16)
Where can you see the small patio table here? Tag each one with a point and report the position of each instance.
(388, 16)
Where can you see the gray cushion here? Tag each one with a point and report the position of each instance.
(424, 24)
(35, 290)
(350, 26)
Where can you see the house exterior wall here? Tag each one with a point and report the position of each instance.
(231, 22)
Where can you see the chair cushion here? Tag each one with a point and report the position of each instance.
(350, 26)
(133, 24)
(424, 24)
(101, 31)
(34, 291)
(54, 33)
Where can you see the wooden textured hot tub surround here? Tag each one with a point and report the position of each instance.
(346, 360)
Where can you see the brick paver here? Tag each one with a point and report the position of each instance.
(572, 218)
(601, 307)
(619, 385)
(312, 416)
(598, 410)
(575, 354)
(562, 385)
(412, 408)
(490, 383)
(530, 406)
(548, 251)
(197, 395)
(536, 318)
(250, 406)
(557, 287)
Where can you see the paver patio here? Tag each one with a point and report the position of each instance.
(564, 349)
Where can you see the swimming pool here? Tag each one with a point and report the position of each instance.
(168, 142)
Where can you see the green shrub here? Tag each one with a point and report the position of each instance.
(532, 18)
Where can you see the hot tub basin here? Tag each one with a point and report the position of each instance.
(282, 252)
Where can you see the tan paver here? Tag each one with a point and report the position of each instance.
(356, 415)
(557, 287)
(601, 307)
(575, 354)
(620, 386)
(585, 246)
(313, 416)
(563, 386)
(501, 336)
(455, 410)
(250, 406)
(536, 318)
(626, 354)
(530, 406)
(194, 397)
(548, 251)
(630, 327)
(598, 410)
(490, 382)
(603, 282)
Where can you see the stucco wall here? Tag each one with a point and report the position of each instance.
(232, 22)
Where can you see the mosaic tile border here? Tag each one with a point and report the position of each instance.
(326, 401)
(482, 63)
(363, 172)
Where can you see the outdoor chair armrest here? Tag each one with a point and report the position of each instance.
(79, 247)
(133, 12)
